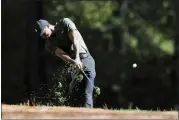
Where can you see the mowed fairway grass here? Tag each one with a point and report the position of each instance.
(46, 112)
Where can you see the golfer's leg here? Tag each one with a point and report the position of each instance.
(89, 68)
(89, 89)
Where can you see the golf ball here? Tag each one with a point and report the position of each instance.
(134, 65)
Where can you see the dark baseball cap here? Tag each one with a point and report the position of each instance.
(41, 25)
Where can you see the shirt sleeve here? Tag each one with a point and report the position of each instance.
(70, 26)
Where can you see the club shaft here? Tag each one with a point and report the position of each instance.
(87, 78)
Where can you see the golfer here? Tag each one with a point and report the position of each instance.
(65, 41)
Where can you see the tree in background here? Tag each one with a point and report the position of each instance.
(176, 56)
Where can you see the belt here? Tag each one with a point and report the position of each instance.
(83, 55)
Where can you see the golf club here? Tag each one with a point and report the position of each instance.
(72, 83)
(96, 88)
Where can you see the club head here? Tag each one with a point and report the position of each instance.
(98, 92)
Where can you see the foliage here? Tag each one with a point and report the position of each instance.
(117, 33)
(141, 30)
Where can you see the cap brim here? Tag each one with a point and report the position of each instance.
(41, 33)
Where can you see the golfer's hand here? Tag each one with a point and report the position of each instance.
(78, 63)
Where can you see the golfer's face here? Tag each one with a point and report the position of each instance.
(46, 33)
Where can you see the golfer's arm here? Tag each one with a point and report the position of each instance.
(60, 53)
(74, 38)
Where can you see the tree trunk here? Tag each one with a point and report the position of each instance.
(32, 77)
(176, 43)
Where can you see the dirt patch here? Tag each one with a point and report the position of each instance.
(44, 112)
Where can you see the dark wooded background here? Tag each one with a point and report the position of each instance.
(118, 33)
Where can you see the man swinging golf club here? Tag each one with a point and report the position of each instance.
(63, 39)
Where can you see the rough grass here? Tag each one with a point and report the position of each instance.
(54, 112)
